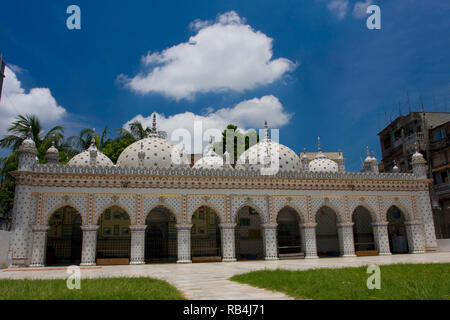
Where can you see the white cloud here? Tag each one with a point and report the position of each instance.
(225, 54)
(246, 114)
(15, 100)
(338, 7)
(360, 9)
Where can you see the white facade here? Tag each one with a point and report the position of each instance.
(94, 186)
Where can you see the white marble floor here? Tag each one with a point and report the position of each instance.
(209, 281)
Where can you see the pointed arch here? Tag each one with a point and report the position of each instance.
(64, 236)
(209, 205)
(109, 206)
(52, 211)
(400, 207)
(339, 217)
(301, 215)
(250, 205)
(372, 212)
(161, 205)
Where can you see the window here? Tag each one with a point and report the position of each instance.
(439, 135)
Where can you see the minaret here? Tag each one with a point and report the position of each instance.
(419, 165)
(27, 154)
(341, 162)
(141, 155)
(22, 217)
(52, 155)
(93, 152)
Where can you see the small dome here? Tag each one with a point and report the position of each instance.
(257, 156)
(28, 145)
(321, 163)
(52, 155)
(82, 159)
(52, 150)
(211, 160)
(154, 152)
(158, 154)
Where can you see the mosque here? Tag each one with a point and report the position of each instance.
(152, 206)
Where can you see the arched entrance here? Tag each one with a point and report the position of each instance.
(248, 235)
(64, 238)
(398, 241)
(205, 236)
(160, 236)
(363, 232)
(288, 234)
(113, 237)
(326, 233)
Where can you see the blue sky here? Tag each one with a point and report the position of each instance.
(329, 75)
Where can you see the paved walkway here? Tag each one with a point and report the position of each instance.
(209, 281)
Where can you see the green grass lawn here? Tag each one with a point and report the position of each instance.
(91, 289)
(401, 282)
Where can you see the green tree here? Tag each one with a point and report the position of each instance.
(114, 147)
(241, 141)
(136, 129)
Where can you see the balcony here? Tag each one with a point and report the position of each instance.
(441, 188)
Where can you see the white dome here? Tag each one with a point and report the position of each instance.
(321, 163)
(28, 145)
(211, 160)
(258, 156)
(82, 159)
(158, 154)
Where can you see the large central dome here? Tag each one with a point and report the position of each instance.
(152, 152)
(257, 156)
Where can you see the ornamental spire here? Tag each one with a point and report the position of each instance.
(266, 128)
(93, 138)
(154, 123)
(319, 148)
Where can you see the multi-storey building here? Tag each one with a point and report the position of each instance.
(430, 132)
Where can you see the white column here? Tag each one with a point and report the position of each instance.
(414, 232)
(380, 234)
(228, 242)
(89, 248)
(21, 226)
(346, 243)
(137, 244)
(309, 243)
(270, 241)
(184, 242)
(39, 245)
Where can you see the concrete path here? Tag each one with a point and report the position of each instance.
(209, 281)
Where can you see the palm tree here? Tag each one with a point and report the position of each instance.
(84, 139)
(136, 130)
(30, 125)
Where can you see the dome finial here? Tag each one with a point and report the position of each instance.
(93, 138)
(416, 146)
(367, 152)
(154, 123)
(319, 148)
(266, 128)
